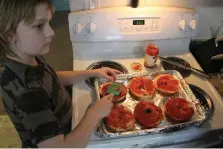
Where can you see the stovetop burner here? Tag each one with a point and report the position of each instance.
(185, 73)
(204, 98)
(101, 64)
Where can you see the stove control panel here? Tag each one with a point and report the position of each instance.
(139, 25)
(132, 24)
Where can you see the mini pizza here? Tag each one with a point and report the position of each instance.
(141, 88)
(148, 114)
(120, 119)
(178, 110)
(167, 84)
(118, 89)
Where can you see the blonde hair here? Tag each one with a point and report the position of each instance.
(12, 12)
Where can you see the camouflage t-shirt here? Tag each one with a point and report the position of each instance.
(35, 101)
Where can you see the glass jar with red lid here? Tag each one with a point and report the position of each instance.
(151, 54)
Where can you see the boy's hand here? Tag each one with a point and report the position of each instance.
(107, 73)
(102, 108)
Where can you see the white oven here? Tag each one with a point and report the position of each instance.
(120, 35)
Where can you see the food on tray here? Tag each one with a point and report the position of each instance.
(136, 67)
(160, 113)
(167, 84)
(178, 110)
(118, 89)
(148, 114)
(120, 119)
(141, 88)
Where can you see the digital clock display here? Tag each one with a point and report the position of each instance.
(138, 22)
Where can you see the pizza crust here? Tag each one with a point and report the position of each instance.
(120, 124)
(171, 83)
(178, 110)
(141, 88)
(148, 114)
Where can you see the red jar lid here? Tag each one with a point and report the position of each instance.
(152, 50)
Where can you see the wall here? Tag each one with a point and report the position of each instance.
(208, 16)
(185, 3)
(83, 4)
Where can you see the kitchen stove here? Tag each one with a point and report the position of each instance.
(117, 40)
(84, 95)
(101, 64)
(184, 72)
(203, 97)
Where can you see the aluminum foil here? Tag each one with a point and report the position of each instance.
(158, 99)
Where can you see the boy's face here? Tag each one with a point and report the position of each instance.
(34, 39)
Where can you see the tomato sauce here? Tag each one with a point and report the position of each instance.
(168, 83)
(147, 113)
(142, 86)
(119, 117)
(179, 109)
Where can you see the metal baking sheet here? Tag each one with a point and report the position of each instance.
(159, 99)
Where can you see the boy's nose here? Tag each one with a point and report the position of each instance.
(50, 32)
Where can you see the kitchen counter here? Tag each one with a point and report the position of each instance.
(218, 83)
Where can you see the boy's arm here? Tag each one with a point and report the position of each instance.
(80, 136)
(77, 138)
(72, 77)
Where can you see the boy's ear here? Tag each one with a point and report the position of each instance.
(12, 38)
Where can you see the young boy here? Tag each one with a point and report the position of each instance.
(33, 94)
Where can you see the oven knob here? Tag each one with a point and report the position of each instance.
(193, 24)
(78, 28)
(91, 28)
(182, 24)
